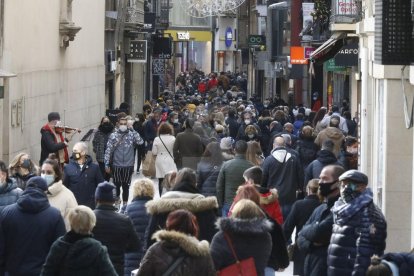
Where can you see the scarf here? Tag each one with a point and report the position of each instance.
(343, 211)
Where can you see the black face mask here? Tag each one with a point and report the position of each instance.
(106, 127)
(76, 155)
(325, 188)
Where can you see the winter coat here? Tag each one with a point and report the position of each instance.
(28, 229)
(270, 203)
(9, 194)
(49, 145)
(279, 257)
(207, 174)
(164, 162)
(233, 127)
(313, 170)
(150, 130)
(171, 245)
(21, 181)
(359, 232)
(342, 122)
(117, 233)
(250, 238)
(62, 199)
(282, 170)
(136, 211)
(120, 148)
(334, 134)
(300, 213)
(404, 262)
(204, 208)
(99, 142)
(188, 149)
(307, 151)
(83, 181)
(230, 178)
(348, 160)
(313, 239)
(78, 255)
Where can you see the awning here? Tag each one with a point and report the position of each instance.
(328, 49)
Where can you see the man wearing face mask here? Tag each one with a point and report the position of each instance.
(313, 240)
(359, 230)
(247, 121)
(151, 128)
(82, 176)
(174, 122)
(120, 157)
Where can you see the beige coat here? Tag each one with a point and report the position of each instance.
(63, 199)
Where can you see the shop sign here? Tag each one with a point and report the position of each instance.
(309, 51)
(183, 35)
(149, 22)
(228, 40)
(158, 67)
(330, 66)
(297, 55)
(256, 40)
(346, 7)
(162, 48)
(137, 51)
(348, 55)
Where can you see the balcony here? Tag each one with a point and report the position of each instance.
(345, 14)
(134, 16)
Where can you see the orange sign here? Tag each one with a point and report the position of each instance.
(297, 55)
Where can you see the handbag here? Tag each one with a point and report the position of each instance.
(244, 267)
(148, 166)
(174, 266)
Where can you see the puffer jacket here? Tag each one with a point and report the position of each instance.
(250, 238)
(171, 245)
(325, 158)
(136, 211)
(78, 255)
(117, 233)
(9, 194)
(120, 146)
(358, 233)
(83, 181)
(403, 261)
(204, 208)
(207, 175)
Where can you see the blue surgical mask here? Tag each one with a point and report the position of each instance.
(50, 179)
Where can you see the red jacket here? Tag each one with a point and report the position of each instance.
(270, 203)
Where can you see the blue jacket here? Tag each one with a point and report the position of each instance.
(28, 228)
(207, 174)
(404, 262)
(358, 233)
(9, 194)
(83, 182)
(137, 212)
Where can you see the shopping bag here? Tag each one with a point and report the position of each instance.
(148, 166)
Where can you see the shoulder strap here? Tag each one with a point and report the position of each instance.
(174, 266)
(159, 136)
(227, 237)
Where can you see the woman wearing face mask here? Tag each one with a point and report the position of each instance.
(174, 122)
(99, 143)
(348, 156)
(9, 192)
(22, 169)
(59, 196)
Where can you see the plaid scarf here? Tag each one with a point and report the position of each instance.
(343, 211)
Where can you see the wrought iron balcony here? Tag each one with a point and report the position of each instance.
(346, 11)
(135, 14)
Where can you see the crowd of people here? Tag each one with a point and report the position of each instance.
(236, 177)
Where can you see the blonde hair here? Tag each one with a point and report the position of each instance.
(82, 219)
(143, 187)
(246, 209)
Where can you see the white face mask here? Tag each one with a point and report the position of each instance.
(175, 121)
(251, 136)
(123, 128)
(247, 122)
(50, 179)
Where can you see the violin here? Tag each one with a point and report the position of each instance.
(66, 129)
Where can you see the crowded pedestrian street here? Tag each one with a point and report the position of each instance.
(207, 138)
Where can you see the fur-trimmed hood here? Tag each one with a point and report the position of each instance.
(244, 226)
(188, 243)
(269, 197)
(194, 205)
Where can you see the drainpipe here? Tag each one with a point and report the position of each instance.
(363, 110)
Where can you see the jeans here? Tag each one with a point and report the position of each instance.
(225, 209)
(269, 271)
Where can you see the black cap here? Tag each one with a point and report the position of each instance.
(53, 116)
(354, 175)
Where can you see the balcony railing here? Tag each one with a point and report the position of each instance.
(346, 11)
(135, 15)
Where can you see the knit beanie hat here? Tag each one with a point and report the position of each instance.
(104, 192)
(37, 182)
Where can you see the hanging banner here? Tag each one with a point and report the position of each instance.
(297, 55)
(158, 67)
(347, 55)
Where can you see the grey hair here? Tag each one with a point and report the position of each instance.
(83, 146)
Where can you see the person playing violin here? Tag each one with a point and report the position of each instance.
(53, 141)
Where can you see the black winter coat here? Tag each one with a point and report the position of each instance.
(83, 182)
(233, 126)
(207, 174)
(171, 245)
(313, 239)
(282, 170)
(358, 233)
(307, 151)
(48, 144)
(27, 231)
(325, 158)
(300, 213)
(9, 194)
(278, 256)
(250, 238)
(204, 208)
(117, 233)
(78, 255)
(137, 212)
(404, 262)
